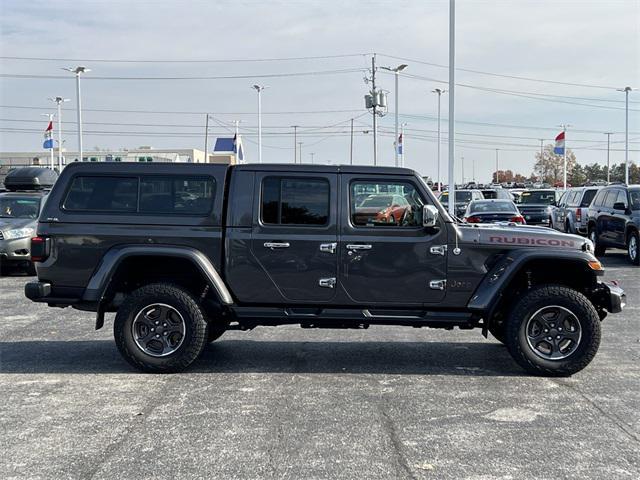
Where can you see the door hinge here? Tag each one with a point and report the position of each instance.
(328, 247)
(327, 282)
(437, 284)
(438, 250)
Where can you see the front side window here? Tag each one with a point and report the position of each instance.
(106, 194)
(295, 201)
(610, 199)
(171, 195)
(634, 195)
(372, 206)
(599, 200)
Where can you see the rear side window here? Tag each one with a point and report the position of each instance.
(588, 197)
(295, 201)
(102, 194)
(171, 195)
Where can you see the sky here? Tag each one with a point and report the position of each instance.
(523, 68)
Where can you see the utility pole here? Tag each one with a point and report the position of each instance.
(497, 177)
(300, 145)
(206, 138)
(351, 145)
(452, 111)
(541, 147)
(462, 164)
(608, 134)
(59, 101)
(295, 142)
(626, 91)
(312, 154)
(374, 94)
(473, 169)
(439, 91)
(78, 70)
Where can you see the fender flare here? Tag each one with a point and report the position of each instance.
(101, 279)
(488, 294)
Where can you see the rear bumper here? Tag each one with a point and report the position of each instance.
(41, 292)
(15, 250)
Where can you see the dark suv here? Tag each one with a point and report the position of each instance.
(614, 220)
(183, 252)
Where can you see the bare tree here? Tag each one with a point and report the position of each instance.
(549, 166)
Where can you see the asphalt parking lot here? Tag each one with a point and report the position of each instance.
(290, 403)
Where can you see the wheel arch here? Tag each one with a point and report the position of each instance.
(181, 265)
(520, 271)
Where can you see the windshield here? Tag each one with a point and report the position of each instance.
(377, 201)
(635, 199)
(480, 207)
(461, 197)
(19, 207)
(539, 197)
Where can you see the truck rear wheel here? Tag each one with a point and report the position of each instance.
(554, 331)
(160, 328)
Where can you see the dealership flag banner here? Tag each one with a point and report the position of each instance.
(399, 144)
(559, 148)
(237, 147)
(48, 139)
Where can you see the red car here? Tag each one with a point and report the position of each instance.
(381, 208)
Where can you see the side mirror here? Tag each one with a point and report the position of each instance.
(429, 216)
(619, 206)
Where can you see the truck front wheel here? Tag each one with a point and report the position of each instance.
(553, 330)
(160, 328)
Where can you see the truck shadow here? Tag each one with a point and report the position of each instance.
(247, 356)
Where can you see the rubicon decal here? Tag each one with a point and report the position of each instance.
(541, 242)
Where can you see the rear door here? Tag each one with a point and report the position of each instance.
(294, 234)
(389, 262)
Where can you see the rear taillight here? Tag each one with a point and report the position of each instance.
(517, 219)
(40, 247)
(578, 214)
(474, 220)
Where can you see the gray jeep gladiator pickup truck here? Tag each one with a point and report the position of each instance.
(184, 252)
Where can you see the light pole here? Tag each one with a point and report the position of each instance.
(300, 146)
(462, 165)
(626, 91)
(497, 176)
(295, 141)
(404, 124)
(259, 89)
(59, 101)
(206, 138)
(312, 154)
(78, 70)
(452, 111)
(439, 91)
(396, 71)
(608, 134)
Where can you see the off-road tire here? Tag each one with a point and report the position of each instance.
(195, 334)
(598, 249)
(545, 296)
(632, 238)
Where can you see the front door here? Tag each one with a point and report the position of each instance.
(294, 235)
(386, 254)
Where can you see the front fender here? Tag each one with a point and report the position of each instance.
(489, 292)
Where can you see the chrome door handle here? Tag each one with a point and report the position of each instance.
(274, 245)
(358, 246)
(328, 247)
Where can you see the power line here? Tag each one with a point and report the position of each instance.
(516, 77)
(221, 60)
(215, 77)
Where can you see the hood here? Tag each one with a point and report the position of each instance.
(521, 236)
(11, 223)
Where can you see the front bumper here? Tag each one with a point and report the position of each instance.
(15, 250)
(536, 219)
(617, 299)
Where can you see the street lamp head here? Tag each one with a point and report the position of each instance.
(77, 70)
(439, 91)
(626, 89)
(400, 68)
(259, 88)
(58, 99)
